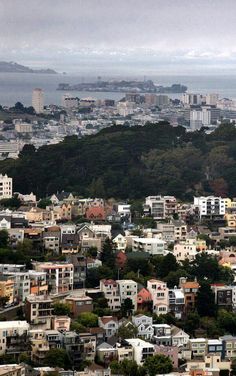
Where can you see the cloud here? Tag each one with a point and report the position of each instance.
(60, 32)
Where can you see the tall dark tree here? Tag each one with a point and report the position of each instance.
(108, 255)
(205, 302)
(167, 264)
(127, 307)
(19, 107)
(27, 151)
(4, 239)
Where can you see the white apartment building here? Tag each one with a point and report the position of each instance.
(128, 289)
(38, 100)
(153, 246)
(110, 288)
(160, 207)
(210, 206)
(141, 349)
(5, 187)
(160, 296)
(9, 329)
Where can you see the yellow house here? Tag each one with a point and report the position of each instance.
(7, 288)
(228, 202)
(201, 245)
(231, 219)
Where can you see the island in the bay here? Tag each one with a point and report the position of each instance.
(12, 67)
(146, 86)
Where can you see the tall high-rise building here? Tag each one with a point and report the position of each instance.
(192, 99)
(195, 120)
(37, 100)
(212, 99)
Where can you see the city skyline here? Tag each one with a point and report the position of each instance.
(155, 36)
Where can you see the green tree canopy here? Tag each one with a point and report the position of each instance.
(57, 358)
(126, 331)
(158, 364)
(88, 319)
(61, 309)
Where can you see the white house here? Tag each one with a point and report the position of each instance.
(179, 337)
(120, 242)
(153, 246)
(185, 250)
(124, 210)
(144, 326)
(5, 223)
(5, 187)
(110, 288)
(128, 289)
(141, 349)
(110, 324)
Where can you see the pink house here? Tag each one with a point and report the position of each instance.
(61, 323)
(144, 300)
(160, 296)
(170, 351)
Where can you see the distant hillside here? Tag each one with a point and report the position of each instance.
(131, 163)
(11, 67)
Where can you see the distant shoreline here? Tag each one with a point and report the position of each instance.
(12, 67)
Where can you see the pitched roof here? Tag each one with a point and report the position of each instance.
(96, 211)
(97, 330)
(175, 330)
(106, 319)
(95, 367)
(190, 285)
(144, 294)
(105, 345)
(107, 282)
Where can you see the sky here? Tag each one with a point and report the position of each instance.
(144, 36)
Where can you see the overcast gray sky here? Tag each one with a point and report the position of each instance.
(164, 35)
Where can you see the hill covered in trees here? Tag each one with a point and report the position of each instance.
(131, 163)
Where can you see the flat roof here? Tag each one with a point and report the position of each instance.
(139, 342)
(13, 324)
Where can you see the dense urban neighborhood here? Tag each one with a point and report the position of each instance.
(47, 124)
(95, 286)
(118, 235)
